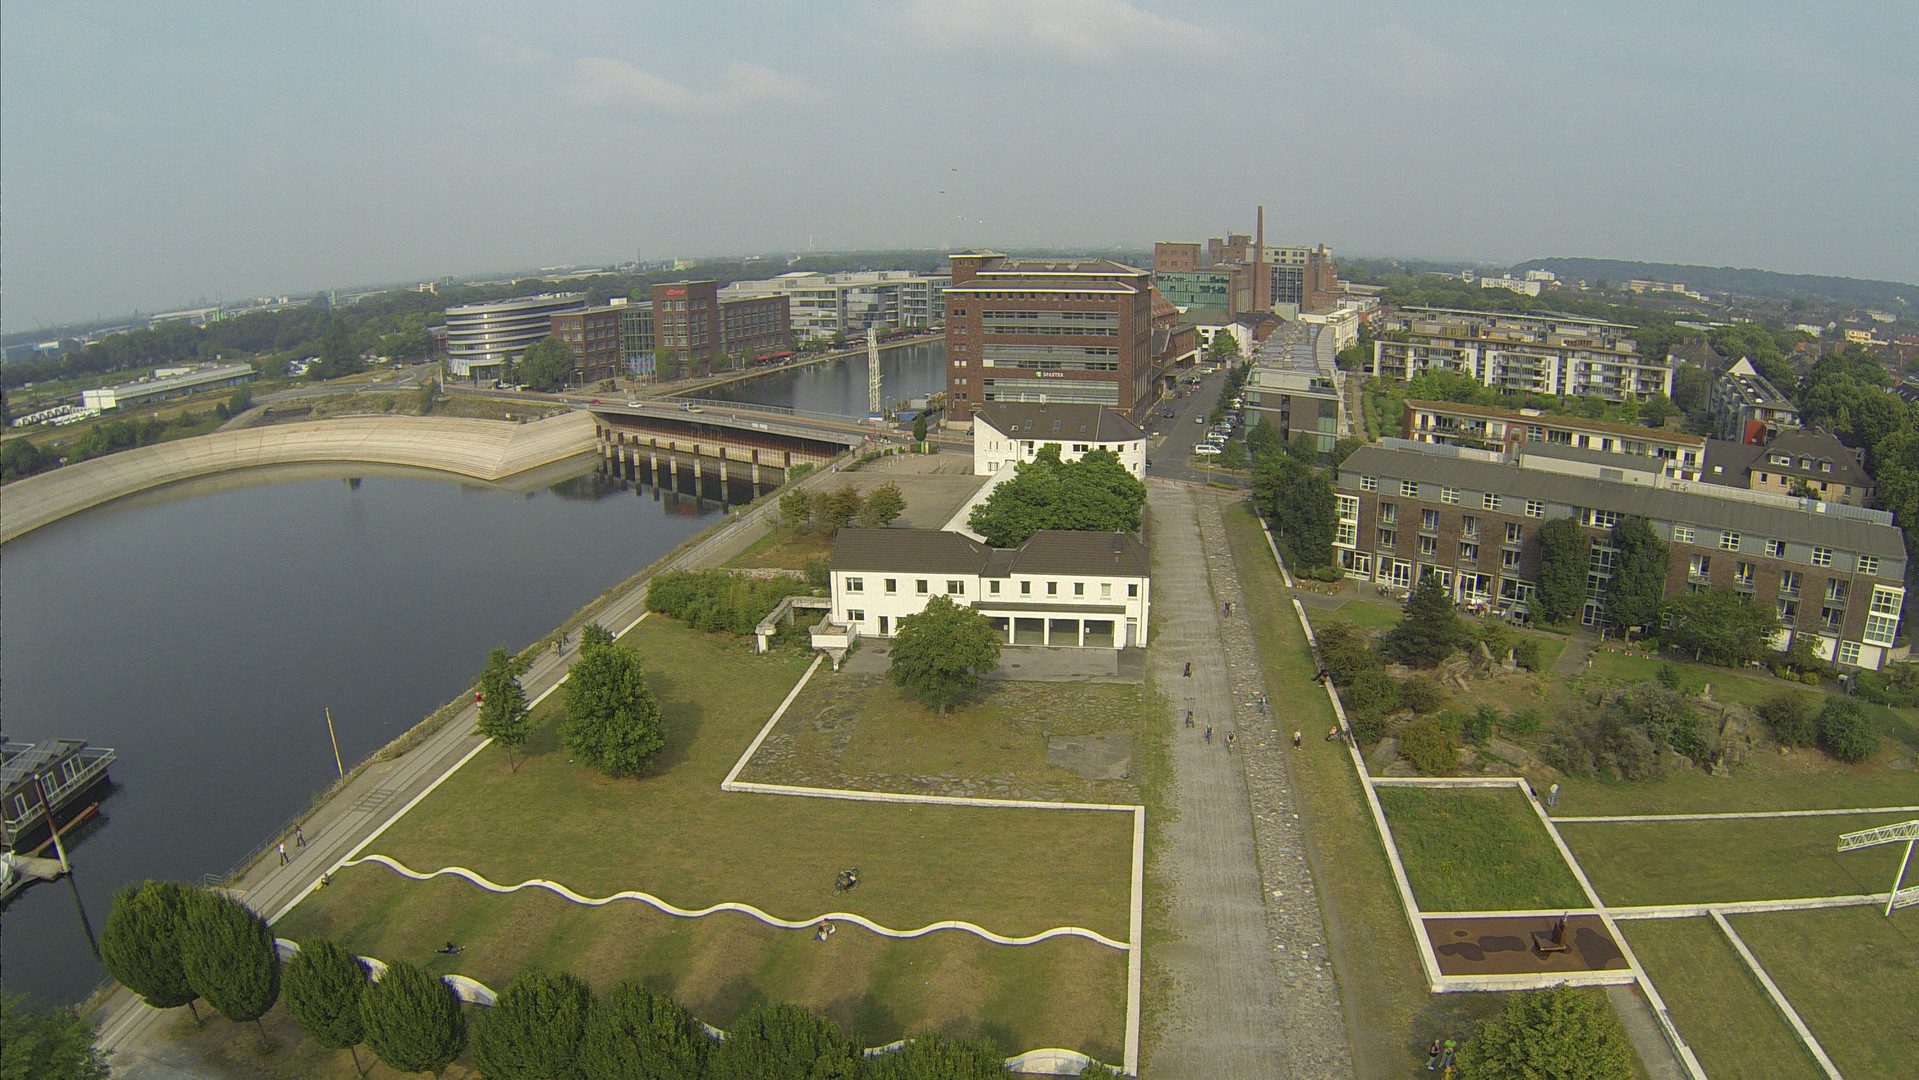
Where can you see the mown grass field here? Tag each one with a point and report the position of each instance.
(1697, 862)
(673, 833)
(1850, 973)
(1477, 850)
(1716, 1003)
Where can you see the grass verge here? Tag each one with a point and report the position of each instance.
(1850, 974)
(1715, 1002)
(1698, 862)
(1468, 849)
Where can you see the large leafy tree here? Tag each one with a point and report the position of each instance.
(884, 504)
(612, 719)
(413, 1021)
(228, 953)
(140, 944)
(1299, 500)
(1721, 625)
(534, 1030)
(338, 357)
(940, 653)
(51, 1044)
(1429, 629)
(785, 1041)
(930, 1057)
(1554, 1034)
(1563, 556)
(635, 1034)
(1093, 494)
(1639, 575)
(503, 715)
(834, 510)
(324, 984)
(546, 365)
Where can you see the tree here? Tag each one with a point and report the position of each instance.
(612, 720)
(1846, 732)
(1639, 574)
(883, 505)
(534, 1030)
(1224, 348)
(1793, 719)
(785, 1041)
(635, 1034)
(1094, 494)
(834, 510)
(796, 508)
(940, 653)
(229, 957)
(1558, 1033)
(1429, 629)
(1299, 501)
(19, 458)
(1232, 455)
(337, 355)
(413, 1021)
(1429, 745)
(1721, 625)
(51, 1044)
(1563, 555)
(503, 703)
(930, 1057)
(1690, 385)
(324, 984)
(546, 365)
(919, 429)
(1024, 504)
(140, 944)
(241, 401)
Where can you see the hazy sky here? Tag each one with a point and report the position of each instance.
(151, 154)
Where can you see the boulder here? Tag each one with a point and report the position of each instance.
(1385, 753)
(1512, 753)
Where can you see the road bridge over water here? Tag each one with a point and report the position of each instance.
(705, 448)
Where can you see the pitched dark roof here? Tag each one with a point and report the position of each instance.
(1817, 448)
(929, 551)
(1056, 551)
(1057, 421)
(1727, 462)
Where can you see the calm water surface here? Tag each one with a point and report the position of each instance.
(200, 631)
(839, 386)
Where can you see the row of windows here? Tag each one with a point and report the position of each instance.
(957, 587)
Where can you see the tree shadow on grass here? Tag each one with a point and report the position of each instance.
(866, 1020)
(680, 721)
(731, 1001)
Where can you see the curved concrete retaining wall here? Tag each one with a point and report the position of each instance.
(481, 449)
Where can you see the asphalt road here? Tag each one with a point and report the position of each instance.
(1170, 442)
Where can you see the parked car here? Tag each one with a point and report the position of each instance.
(1205, 450)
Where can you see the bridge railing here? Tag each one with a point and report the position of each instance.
(719, 405)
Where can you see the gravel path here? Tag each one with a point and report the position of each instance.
(1253, 991)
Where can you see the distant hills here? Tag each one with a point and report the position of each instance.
(1891, 296)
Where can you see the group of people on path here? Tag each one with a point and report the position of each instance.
(1440, 1055)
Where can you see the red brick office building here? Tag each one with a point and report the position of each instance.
(593, 337)
(692, 324)
(1065, 330)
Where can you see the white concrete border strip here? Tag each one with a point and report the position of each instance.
(562, 891)
(1747, 907)
(1731, 816)
(1778, 999)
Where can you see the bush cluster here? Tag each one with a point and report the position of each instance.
(1428, 743)
(1628, 738)
(715, 600)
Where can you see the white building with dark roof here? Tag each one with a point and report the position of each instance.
(1079, 589)
(1008, 432)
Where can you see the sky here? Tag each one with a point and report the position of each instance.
(154, 155)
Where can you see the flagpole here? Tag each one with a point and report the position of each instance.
(336, 744)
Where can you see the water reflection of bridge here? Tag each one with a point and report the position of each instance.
(724, 451)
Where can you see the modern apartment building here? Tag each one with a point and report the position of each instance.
(826, 306)
(636, 337)
(481, 339)
(1745, 407)
(694, 326)
(1471, 518)
(592, 335)
(1051, 330)
(1295, 382)
(1520, 354)
(1480, 427)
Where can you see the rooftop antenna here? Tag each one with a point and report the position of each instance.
(872, 370)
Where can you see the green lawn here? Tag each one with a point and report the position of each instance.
(1364, 614)
(861, 731)
(1803, 780)
(1382, 988)
(1850, 973)
(1716, 1003)
(675, 834)
(1468, 849)
(785, 549)
(1696, 862)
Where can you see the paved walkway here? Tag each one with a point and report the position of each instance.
(1236, 1007)
(132, 1034)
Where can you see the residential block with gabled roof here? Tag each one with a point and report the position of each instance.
(1483, 427)
(1013, 431)
(1059, 588)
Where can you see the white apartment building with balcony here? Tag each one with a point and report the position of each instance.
(827, 305)
(1522, 354)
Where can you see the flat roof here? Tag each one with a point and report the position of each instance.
(1557, 420)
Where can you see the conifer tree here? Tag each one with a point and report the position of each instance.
(612, 719)
(229, 957)
(785, 1041)
(534, 1030)
(930, 1057)
(1429, 630)
(324, 983)
(413, 1021)
(140, 944)
(635, 1034)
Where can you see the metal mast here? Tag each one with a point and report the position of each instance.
(872, 371)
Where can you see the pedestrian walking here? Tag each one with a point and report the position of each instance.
(299, 837)
(1189, 718)
(1552, 796)
(1297, 736)
(1432, 1055)
(1446, 1059)
(1231, 738)
(283, 853)
(1189, 669)
(1209, 733)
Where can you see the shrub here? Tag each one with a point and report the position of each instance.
(1523, 721)
(1845, 731)
(1372, 694)
(1526, 654)
(1429, 746)
(1605, 744)
(1896, 687)
(1420, 694)
(714, 600)
(1665, 717)
(1669, 676)
(1478, 727)
(1344, 652)
(1793, 720)
(1554, 1034)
